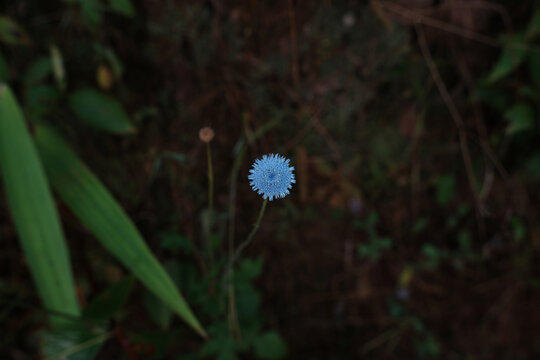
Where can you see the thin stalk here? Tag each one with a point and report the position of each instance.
(234, 327)
(210, 203)
(250, 236)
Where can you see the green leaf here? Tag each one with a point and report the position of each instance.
(249, 269)
(464, 241)
(59, 71)
(534, 25)
(520, 118)
(531, 167)
(222, 347)
(39, 100)
(110, 56)
(158, 312)
(270, 346)
(519, 228)
(12, 33)
(34, 213)
(38, 71)
(91, 10)
(445, 189)
(90, 201)
(533, 62)
(76, 343)
(174, 242)
(100, 111)
(511, 57)
(528, 93)
(487, 93)
(122, 7)
(433, 255)
(109, 302)
(420, 225)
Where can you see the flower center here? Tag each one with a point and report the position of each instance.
(272, 176)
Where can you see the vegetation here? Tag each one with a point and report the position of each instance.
(129, 227)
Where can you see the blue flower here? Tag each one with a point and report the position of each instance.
(271, 176)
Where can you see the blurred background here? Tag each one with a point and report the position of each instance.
(411, 233)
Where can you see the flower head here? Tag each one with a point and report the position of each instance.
(271, 176)
(206, 134)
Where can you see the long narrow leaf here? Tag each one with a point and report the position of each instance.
(102, 215)
(34, 213)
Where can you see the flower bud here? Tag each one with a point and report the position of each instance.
(206, 134)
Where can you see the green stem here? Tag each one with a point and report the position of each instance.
(250, 236)
(234, 327)
(210, 202)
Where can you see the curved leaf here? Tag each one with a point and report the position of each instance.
(86, 196)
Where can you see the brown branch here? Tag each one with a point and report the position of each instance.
(455, 114)
(415, 17)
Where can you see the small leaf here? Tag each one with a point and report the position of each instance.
(90, 201)
(270, 346)
(91, 10)
(122, 7)
(420, 225)
(174, 242)
(100, 111)
(107, 54)
(249, 268)
(39, 100)
(518, 228)
(511, 57)
(222, 347)
(520, 117)
(37, 71)
(109, 302)
(12, 33)
(445, 189)
(487, 93)
(464, 240)
(528, 93)
(534, 25)
(58, 66)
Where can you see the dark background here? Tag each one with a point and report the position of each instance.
(412, 231)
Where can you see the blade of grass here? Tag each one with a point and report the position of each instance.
(34, 213)
(90, 201)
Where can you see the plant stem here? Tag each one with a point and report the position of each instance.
(250, 236)
(234, 327)
(210, 203)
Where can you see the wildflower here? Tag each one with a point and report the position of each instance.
(271, 176)
(206, 134)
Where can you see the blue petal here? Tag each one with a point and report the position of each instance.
(271, 176)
